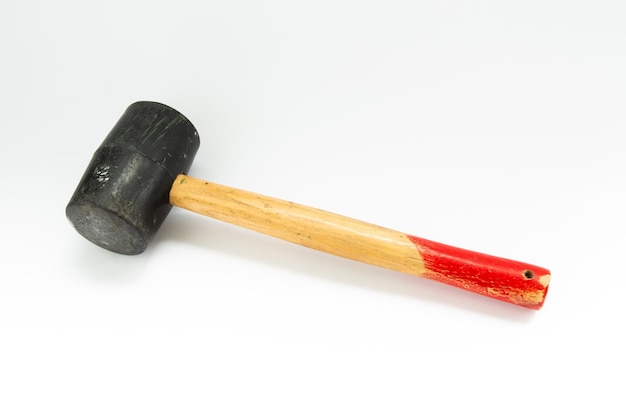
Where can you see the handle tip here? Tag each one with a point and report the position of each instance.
(515, 282)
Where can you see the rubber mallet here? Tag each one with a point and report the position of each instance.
(138, 174)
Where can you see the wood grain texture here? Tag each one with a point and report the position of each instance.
(310, 227)
(506, 280)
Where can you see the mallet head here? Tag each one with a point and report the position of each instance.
(123, 196)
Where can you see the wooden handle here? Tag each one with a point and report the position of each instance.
(511, 281)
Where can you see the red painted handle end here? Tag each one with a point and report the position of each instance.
(515, 282)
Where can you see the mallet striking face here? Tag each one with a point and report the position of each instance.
(138, 173)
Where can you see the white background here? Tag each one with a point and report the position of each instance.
(496, 126)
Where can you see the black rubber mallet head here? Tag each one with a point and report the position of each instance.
(138, 173)
(123, 196)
